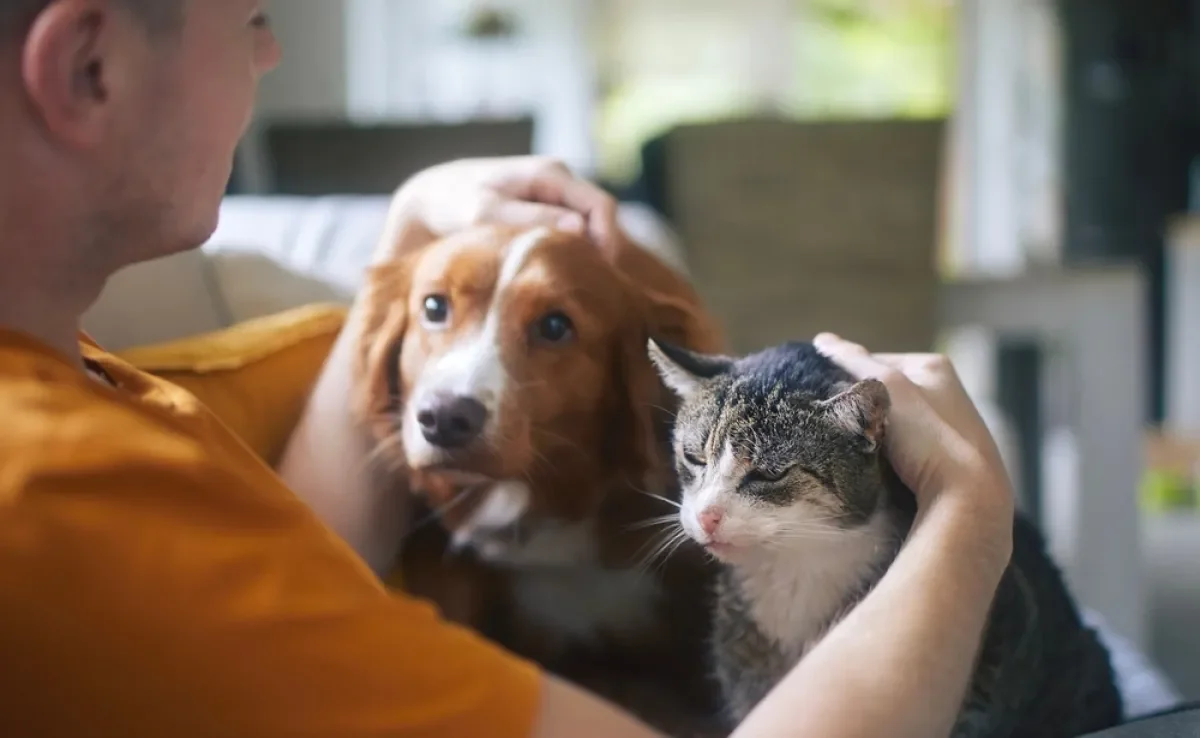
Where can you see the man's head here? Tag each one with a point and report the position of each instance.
(158, 15)
(119, 120)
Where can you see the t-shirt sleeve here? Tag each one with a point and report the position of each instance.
(146, 598)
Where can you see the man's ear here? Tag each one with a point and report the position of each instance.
(684, 371)
(376, 389)
(862, 410)
(66, 63)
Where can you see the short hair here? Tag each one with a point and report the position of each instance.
(159, 16)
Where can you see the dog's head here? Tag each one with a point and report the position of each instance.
(508, 371)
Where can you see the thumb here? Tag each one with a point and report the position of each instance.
(523, 213)
(851, 357)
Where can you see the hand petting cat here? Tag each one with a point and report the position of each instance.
(936, 441)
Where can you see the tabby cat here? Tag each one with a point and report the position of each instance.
(779, 455)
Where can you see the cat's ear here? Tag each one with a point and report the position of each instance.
(684, 371)
(862, 409)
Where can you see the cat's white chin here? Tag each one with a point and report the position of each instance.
(722, 551)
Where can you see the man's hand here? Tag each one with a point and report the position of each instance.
(936, 441)
(525, 191)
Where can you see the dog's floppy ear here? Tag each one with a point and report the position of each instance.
(673, 309)
(682, 321)
(384, 304)
(644, 413)
(640, 416)
(664, 305)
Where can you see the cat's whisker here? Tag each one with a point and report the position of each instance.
(808, 526)
(660, 498)
(654, 541)
(664, 549)
(808, 534)
(668, 549)
(679, 541)
(653, 522)
(656, 544)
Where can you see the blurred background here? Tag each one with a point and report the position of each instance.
(1011, 181)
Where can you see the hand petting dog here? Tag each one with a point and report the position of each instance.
(523, 191)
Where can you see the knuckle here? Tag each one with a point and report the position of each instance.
(851, 347)
(549, 166)
(935, 364)
(893, 379)
(480, 210)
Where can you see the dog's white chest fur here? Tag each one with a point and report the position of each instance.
(795, 595)
(560, 586)
(581, 602)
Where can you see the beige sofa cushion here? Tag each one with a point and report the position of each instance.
(156, 301)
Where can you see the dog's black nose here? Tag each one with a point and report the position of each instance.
(452, 422)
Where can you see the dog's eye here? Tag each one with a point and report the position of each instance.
(767, 475)
(554, 328)
(437, 309)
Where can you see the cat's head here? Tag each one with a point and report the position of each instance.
(774, 449)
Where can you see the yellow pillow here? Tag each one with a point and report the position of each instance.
(255, 376)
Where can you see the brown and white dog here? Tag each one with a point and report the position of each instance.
(505, 375)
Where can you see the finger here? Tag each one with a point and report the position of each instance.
(931, 371)
(525, 214)
(851, 357)
(935, 375)
(559, 187)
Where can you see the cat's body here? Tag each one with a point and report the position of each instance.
(784, 481)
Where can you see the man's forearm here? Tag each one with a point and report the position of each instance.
(899, 663)
(326, 461)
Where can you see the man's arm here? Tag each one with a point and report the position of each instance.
(326, 463)
(899, 663)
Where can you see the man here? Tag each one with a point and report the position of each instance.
(156, 579)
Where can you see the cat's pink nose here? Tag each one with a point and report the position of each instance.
(710, 519)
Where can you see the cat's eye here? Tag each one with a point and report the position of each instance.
(692, 459)
(768, 476)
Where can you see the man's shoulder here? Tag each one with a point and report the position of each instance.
(55, 416)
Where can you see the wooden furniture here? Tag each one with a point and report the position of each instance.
(791, 228)
(345, 158)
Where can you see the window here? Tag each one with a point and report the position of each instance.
(674, 61)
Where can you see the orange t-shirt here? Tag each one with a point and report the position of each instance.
(158, 579)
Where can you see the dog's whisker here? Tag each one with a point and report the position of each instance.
(573, 445)
(440, 511)
(387, 445)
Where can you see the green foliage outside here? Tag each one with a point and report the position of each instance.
(855, 59)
